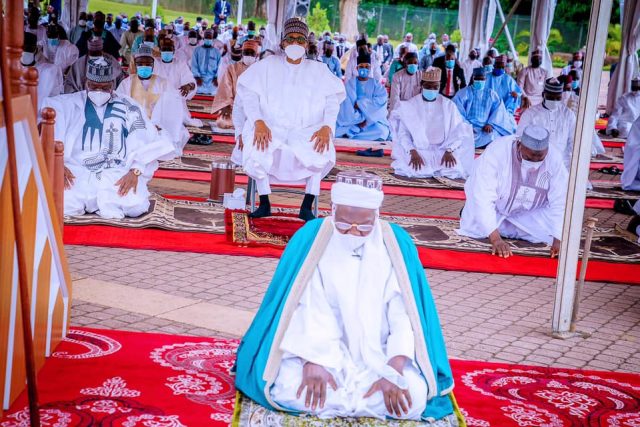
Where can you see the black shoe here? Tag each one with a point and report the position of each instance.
(200, 139)
(624, 207)
(306, 214)
(633, 224)
(263, 210)
(370, 152)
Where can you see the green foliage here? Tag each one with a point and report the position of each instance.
(318, 20)
(555, 40)
(614, 40)
(456, 36)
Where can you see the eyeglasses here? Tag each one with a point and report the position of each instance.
(363, 228)
(299, 40)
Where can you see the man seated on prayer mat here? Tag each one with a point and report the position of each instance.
(630, 178)
(161, 103)
(49, 74)
(56, 49)
(430, 136)
(111, 149)
(351, 70)
(348, 326)
(482, 108)
(531, 79)
(332, 61)
(575, 64)
(517, 190)
(625, 112)
(406, 82)
(504, 85)
(204, 65)
(363, 114)
(291, 105)
(176, 72)
(192, 42)
(76, 78)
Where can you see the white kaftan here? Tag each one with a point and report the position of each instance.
(295, 101)
(404, 86)
(352, 65)
(531, 80)
(630, 178)
(625, 112)
(519, 203)
(177, 73)
(431, 128)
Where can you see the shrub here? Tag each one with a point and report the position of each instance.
(318, 20)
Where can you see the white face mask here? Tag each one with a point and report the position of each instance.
(577, 64)
(193, 41)
(294, 52)
(82, 23)
(528, 164)
(248, 60)
(349, 241)
(27, 58)
(99, 98)
(551, 105)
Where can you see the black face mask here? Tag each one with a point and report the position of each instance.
(536, 61)
(433, 51)
(635, 88)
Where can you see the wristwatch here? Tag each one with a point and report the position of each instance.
(136, 172)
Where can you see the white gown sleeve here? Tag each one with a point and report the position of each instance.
(251, 105)
(331, 111)
(401, 340)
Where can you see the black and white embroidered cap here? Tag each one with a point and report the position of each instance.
(99, 70)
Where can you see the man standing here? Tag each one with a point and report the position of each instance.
(408, 44)
(428, 54)
(291, 105)
(470, 63)
(517, 190)
(221, 11)
(625, 112)
(127, 40)
(423, 150)
(452, 74)
(531, 79)
(117, 29)
(504, 85)
(576, 64)
(406, 82)
(482, 108)
(204, 65)
(76, 32)
(363, 114)
(49, 74)
(348, 326)
(111, 148)
(110, 44)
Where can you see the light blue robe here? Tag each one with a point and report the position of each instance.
(334, 65)
(254, 352)
(371, 98)
(204, 65)
(503, 85)
(484, 107)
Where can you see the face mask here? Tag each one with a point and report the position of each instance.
(478, 84)
(551, 105)
(53, 42)
(349, 241)
(144, 71)
(363, 73)
(412, 68)
(150, 44)
(27, 58)
(166, 56)
(450, 63)
(488, 69)
(536, 61)
(498, 71)
(575, 85)
(193, 41)
(208, 42)
(429, 94)
(528, 164)
(432, 51)
(99, 98)
(248, 60)
(82, 23)
(294, 52)
(577, 64)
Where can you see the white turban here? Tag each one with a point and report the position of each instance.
(356, 196)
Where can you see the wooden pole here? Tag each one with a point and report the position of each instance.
(13, 34)
(31, 81)
(8, 64)
(58, 182)
(46, 139)
(586, 251)
(505, 22)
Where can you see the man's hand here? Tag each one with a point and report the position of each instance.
(185, 89)
(321, 139)
(355, 106)
(498, 246)
(487, 129)
(396, 400)
(199, 81)
(226, 111)
(261, 135)
(514, 94)
(615, 133)
(416, 161)
(362, 124)
(526, 103)
(215, 81)
(555, 248)
(315, 378)
(127, 183)
(240, 143)
(448, 159)
(69, 178)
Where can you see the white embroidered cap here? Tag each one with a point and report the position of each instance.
(358, 189)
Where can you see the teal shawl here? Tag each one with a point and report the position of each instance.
(256, 344)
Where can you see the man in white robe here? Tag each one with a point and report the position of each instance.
(517, 190)
(351, 70)
(630, 178)
(111, 149)
(175, 71)
(469, 64)
(291, 105)
(625, 112)
(57, 50)
(430, 136)
(192, 42)
(76, 79)
(49, 74)
(531, 80)
(406, 82)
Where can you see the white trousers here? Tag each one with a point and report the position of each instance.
(263, 185)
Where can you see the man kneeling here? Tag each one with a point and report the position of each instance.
(517, 190)
(111, 148)
(348, 327)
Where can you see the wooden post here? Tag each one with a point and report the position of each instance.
(31, 81)
(13, 30)
(58, 182)
(586, 251)
(46, 139)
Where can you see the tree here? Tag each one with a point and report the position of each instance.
(349, 17)
(317, 19)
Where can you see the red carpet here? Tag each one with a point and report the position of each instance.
(437, 193)
(613, 144)
(198, 115)
(163, 240)
(131, 379)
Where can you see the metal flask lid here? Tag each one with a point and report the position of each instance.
(222, 164)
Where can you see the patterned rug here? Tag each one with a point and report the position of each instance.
(132, 379)
(209, 128)
(198, 105)
(190, 216)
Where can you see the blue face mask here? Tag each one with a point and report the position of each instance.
(208, 42)
(488, 69)
(53, 42)
(575, 85)
(478, 84)
(498, 71)
(363, 73)
(166, 56)
(429, 94)
(144, 71)
(450, 63)
(412, 68)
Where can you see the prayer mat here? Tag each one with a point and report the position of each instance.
(209, 128)
(614, 142)
(98, 377)
(200, 97)
(200, 105)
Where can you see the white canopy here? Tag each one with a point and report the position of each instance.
(541, 19)
(70, 12)
(476, 18)
(627, 67)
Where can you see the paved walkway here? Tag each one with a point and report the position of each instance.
(485, 317)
